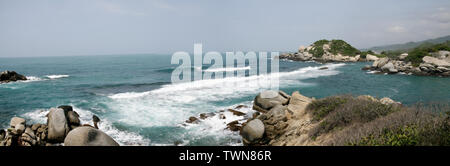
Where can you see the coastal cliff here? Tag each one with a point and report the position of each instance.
(340, 121)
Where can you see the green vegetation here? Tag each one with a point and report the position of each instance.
(362, 121)
(416, 55)
(340, 111)
(336, 46)
(342, 47)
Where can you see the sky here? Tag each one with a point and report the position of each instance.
(102, 27)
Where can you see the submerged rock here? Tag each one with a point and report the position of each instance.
(88, 136)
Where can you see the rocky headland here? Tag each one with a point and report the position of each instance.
(10, 76)
(297, 120)
(63, 127)
(330, 51)
(429, 64)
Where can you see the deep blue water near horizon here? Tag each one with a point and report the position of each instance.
(138, 105)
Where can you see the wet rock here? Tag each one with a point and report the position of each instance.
(88, 136)
(234, 126)
(2, 134)
(10, 76)
(192, 120)
(237, 113)
(241, 106)
(323, 68)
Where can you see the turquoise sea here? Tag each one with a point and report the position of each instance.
(138, 105)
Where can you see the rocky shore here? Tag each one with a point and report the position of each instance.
(63, 127)
(10, 76)
(435, 64)
(329, 51)
(298, 120)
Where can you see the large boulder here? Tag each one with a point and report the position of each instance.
(298, 103)
(88, 136)
(8, 76)
(435, 61)
(268, 99)
(370, 57)
(389, 68)
(380, 62)
(58, 125)
(252, 131)
(17, 121)
(403, 56)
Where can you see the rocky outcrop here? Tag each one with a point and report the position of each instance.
(289, 124)
(323, 51)
(268, 99)
(88, 136)
(11, 76)
(436, 65)
(60, 122)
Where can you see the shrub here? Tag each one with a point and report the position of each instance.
(322, 107)
(405, 127)
(342, 47)
(353, 110)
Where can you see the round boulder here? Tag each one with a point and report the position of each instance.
(88, 136)
(252, 131)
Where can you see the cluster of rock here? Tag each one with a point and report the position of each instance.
(304, 54)
(10, 76)
(233, 126)
(63, 126)
(436, 64)
(284, 120)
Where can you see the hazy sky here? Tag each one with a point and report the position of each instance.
(93, 27)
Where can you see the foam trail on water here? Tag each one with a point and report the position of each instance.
(173, 103)
(227, 69)
(56, 76)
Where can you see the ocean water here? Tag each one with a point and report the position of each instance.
(138, 105)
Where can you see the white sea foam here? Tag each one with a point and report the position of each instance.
(56, 76)
(122, 137)
(173, 103)
(227, 69)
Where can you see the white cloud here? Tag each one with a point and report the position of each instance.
(396, 29)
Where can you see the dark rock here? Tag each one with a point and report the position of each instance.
(192, 120)
(323, 68)
(11, 76)
(241, 106)
(234, 126)
(2, 134)
(237, 113)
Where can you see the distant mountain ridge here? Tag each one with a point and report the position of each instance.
(409, 45)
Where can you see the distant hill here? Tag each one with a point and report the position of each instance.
(409, 45)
